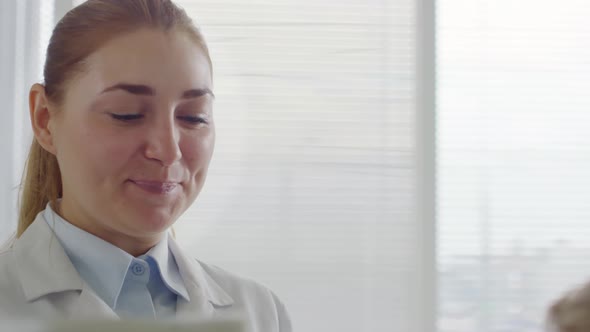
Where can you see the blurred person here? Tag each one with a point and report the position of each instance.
(571, 313)
(123, 136)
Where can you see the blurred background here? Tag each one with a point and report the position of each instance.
(382, 165)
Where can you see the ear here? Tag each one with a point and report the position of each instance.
(41, 118)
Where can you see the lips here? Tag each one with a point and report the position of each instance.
(156, 187)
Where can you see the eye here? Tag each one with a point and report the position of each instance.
(194, 119)
(126, 117)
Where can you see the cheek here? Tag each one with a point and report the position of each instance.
(97, 153)
(197, 151)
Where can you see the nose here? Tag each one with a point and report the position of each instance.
(163, 143)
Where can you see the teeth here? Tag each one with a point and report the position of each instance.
(168, 186)
(164, 187)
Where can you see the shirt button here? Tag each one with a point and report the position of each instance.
(137, 269)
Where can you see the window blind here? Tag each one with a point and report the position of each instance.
(311, 189)
(25, 28)
(513, 159)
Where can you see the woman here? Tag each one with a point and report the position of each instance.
(124, 133)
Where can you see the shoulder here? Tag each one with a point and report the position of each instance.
(11, 292)
(250, 295)
(8, 270)
(7, 245)
(231, 282)
(7, 263)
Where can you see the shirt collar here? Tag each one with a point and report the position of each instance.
(104, 266)
(167, 268)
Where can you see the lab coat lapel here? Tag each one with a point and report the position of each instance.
(197, 307)
(44, 268)
(207, 298)
(89, 306)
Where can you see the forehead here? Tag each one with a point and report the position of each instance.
(167, 61)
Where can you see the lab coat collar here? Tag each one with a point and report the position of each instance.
(206, 295)
(44, 268)
(43, 265)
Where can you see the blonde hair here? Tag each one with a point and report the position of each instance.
(571, 313)
(77, 35)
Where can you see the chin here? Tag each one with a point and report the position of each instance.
(153, 220)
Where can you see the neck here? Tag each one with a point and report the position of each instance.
(133, 245)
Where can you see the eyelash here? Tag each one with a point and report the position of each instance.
(126, 117)
(194, 119)
(133, 117)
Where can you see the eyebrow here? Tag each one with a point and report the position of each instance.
(144, 90)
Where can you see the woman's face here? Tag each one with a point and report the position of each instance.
(134, 135)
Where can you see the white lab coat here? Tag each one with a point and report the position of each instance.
(38, 280)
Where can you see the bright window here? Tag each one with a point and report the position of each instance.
(513, 158)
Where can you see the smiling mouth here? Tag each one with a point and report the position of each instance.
(156, 187)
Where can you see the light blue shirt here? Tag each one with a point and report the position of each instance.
(134, 287)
